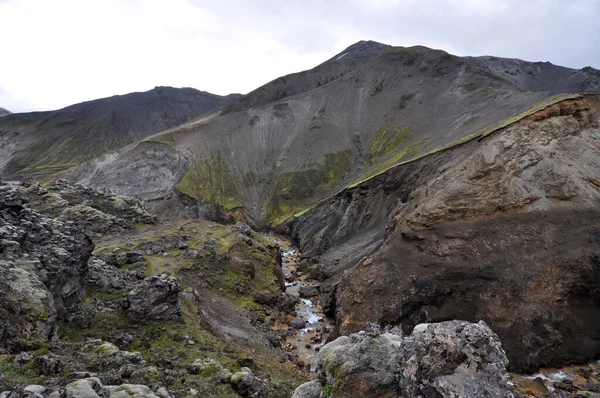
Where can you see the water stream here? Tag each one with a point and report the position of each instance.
(306, 341)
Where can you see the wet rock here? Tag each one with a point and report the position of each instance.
(287, 303)
(297, 323)
(448, 359)
(308, 291)
(155, 300)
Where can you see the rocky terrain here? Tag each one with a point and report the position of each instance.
(38, 145)
(4, 112)
(395, 222)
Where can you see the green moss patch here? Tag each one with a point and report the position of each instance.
(293, 190)
(211, 181)
(387, 140)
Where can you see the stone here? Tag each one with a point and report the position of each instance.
(106, 350)
(86, 388)
(297, 323)
(155, 300)
(308, 291)
(266, 298)
(447, 359)
(23, 357)
(246, 384)
(49, 365)
(312, 389)
(242, 228)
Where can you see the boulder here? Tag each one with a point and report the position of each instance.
(155, 300)
(247, 384)
(308, 291)
(297, 323)
(448, 359)
(86, 388)
(49, 365)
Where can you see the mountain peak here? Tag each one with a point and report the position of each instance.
(362, 51)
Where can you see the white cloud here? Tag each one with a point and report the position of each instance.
(60, 52)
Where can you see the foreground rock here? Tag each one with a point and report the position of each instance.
(43, 269)
(448, 359)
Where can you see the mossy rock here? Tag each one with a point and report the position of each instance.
(107, 349)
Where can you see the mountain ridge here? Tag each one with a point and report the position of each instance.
(43, 143)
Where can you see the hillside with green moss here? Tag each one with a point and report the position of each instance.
(266, 163)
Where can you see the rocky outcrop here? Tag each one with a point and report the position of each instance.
(97, 211)
(504, 230)
(448, 359)
(155, 299)
(43, 270)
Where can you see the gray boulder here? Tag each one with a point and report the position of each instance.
(444, 360)
(155, 300)
(86, 388)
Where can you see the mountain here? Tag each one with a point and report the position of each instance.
(418, 186)
(375, 106)
(4, 112)
(40, 144)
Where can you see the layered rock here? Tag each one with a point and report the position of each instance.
(43, 267)
(449, 359)
(504, 229)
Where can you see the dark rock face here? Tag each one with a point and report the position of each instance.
(43, 270)
(155, 299)
(448, 359)
(502, 230)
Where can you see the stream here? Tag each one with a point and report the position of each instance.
(308, 326)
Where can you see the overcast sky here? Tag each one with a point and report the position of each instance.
(59, 52)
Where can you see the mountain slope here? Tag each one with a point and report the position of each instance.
(4, 112)
(542, 76)
(38, 144)
(270, 162)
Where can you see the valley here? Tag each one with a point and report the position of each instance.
(397, 221)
